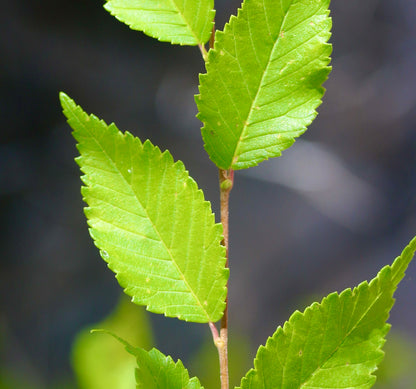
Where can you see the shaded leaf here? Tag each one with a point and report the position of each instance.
(264, 80)
(334, 344)
(98, 361)
(175, 21)
(127, 346)
(150, 221)
(158, 371)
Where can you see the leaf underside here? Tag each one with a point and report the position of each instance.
(264, 80)
(157, 371)
(176, 21)
(150, 221)
(335, 344)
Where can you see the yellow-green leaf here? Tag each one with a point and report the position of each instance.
(150, 221)
(176, 21)
(264, 80)
(336, 344)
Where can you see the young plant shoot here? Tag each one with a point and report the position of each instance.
(156, 231)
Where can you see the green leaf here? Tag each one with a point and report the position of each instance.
(175, 21)
(150, 221)
(128, 347)
(334, 344)
(98, 361)
(158, 371)
(264, 80)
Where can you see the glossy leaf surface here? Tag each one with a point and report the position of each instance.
(264, 80)
(150, 221)
(176, 21)
(335, 344)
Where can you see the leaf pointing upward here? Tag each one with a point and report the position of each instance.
(335, 344)
(150, 221)
(175, 21)
(264, 80)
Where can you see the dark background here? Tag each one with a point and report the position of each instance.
(337, 207)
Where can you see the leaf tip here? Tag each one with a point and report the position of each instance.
(65, 100)
(63, 96)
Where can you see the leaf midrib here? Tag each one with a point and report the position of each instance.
(178, 11)
(190, 27)
(154, 226)
(253, 103)
(246, 123)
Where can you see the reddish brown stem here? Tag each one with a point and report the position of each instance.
(202, 48)
(203, 51)
(226, 178)
(212, 38)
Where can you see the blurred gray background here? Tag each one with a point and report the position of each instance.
(338, 205)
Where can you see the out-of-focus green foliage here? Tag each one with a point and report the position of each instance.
(398, 369)
(99, 361)
(8, 380)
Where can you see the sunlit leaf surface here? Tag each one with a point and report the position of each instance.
(264, 80)
(335, 344)
(150, 221)
(176, 21)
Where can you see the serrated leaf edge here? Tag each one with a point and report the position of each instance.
(395, 274)
(71, 106)
(108, 7)
(215, 51)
